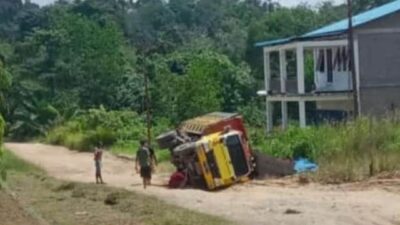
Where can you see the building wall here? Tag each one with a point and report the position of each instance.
(379, 101)
(390, 21)
(336, 105)
(379, 64)
(291, 86)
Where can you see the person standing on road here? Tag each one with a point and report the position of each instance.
(144, 163)
(98, 156)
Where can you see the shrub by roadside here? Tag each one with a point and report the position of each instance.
(345, 152)
(119, 131)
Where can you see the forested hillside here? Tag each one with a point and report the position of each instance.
(73, 74)
(61, 60)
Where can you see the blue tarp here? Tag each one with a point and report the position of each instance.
(302, 165)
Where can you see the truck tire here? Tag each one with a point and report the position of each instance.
(185, 149)
(167, 139)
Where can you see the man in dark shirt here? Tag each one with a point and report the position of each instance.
(145, 162)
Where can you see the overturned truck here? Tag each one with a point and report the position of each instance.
(213, 150)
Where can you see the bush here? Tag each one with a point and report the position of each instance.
(2, 126)
(77, 141)
(345, 152)
(120, 130)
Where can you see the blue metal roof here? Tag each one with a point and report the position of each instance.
(273, 42)
(342, 26)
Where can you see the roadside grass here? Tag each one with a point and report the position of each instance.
(70, 203)
(14, 164)
(11, 213)
(345, 152)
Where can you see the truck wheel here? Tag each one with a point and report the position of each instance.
(185, 148)
(167, 140)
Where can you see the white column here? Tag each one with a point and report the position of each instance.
(300, 69)
(267, 71)
(270, 121)
(283, 76)
(302, 114)
(284, 115)
(267, 80)
(300, 83)
(283, 71)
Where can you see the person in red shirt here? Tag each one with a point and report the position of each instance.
(98, 155)
(178, 179)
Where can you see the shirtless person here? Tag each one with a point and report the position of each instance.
(98, 156)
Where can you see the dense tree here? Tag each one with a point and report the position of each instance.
(77, 56)
(199, 55)
(363, 5)
(8, 9)
(191, 83)
(5, 83)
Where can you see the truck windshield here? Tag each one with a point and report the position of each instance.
(237, 155)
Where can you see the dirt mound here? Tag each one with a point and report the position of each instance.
(112, 199)
(268, 166)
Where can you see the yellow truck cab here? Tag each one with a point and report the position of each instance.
(216, 160)
(213, 149)
(221, 159)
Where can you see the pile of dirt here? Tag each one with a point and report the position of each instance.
(268, 166)
(112, 199)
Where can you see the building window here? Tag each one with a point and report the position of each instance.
(329, 58)
(321, 61)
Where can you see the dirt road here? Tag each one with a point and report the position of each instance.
(248, 204)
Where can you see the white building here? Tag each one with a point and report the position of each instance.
(377, 63)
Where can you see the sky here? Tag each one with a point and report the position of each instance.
(282, 2)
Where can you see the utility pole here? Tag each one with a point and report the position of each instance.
(147, 103)
(145, 70)
(350, 47)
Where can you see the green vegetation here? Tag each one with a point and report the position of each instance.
(199, 56)
(120, 131)
(13, 164)
(2, 158)
(72, 73)
(345, 152)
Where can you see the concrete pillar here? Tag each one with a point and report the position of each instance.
(302, 114)
(284, 115)
(301, 83)
(270, 121)
(283, 70)
(283, 78)
(267, 80)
